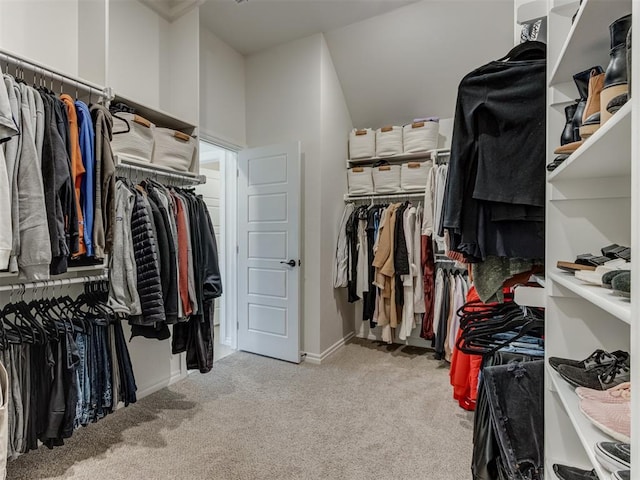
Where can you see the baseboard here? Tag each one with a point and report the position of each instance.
(160, 385)
(411, 341)
(316, 359)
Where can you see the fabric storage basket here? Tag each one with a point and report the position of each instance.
(413, 175)
(388, 141)
(133, 136)
(362, 143)
(175, 150)
(420, 136)
(386, 179)
(360, 180)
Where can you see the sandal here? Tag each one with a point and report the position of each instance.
(617, 251)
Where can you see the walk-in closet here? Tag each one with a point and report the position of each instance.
(309, 239)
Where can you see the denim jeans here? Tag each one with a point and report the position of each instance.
(515, 395)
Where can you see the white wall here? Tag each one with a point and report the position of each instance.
(179, 67)
(134, 51)
(283, 91)
(293, 93)
(222, 90)
(44, 31)
(408, 63)
(336, 314)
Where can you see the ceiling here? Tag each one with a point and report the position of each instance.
(255, 25)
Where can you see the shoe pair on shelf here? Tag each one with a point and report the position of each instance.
(602, 384)
(602, 93)
(612, 269)
(565, 472)
(615, 457)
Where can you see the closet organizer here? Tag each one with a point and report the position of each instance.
(92, 246)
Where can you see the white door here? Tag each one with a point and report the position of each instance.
(269, 251)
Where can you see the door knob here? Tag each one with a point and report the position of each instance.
(291, 263)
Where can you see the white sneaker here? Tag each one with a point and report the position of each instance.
(594, 277)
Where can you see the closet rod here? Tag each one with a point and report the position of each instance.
(185, 179)
(356, 198)
(47, 71)
(16, 287)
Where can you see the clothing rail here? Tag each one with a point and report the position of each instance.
(441, 156)
(151, 171)
(22, 62)
(16, 287)
(390, 196)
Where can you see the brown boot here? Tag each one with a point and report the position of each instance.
(591, 115)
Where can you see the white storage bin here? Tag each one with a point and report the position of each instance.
(413, 175)
(360, 180)
(420, 136)
(133, 136)
(388, 141)
(362, 143)
(386, 179)
(175, 150)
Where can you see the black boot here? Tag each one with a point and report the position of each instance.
(567, 133)
(581, 80)
(616, 104)
(616, 80)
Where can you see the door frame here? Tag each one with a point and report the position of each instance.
(229, 220)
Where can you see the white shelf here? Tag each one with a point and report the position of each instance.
(601, 297)
(564, 7)
(607, 153)
(588, 40)
(70, 270)
(157, 116)
(146, 168)
(377, 196)
(400, 158)
(531, 10)
(588, 434)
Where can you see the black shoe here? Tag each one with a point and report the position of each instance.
(599, 358)
(614, 455)
(608, 277)
(622, 475)
(599, 378)
(557, 162)
(564, 472)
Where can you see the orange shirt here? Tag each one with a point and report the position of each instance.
(77, 168)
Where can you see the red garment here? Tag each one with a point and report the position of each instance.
(465, 368)
(429, 280)
(183, 265)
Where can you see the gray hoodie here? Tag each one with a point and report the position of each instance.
(31, 248)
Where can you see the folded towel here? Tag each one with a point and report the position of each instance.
(420, 136)
(362, 143)
(388, 141)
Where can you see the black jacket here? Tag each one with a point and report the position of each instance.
(167, 254)
(148, 273)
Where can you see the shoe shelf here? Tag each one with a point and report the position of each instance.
(588, 434)
(607, 153)
(588, 41)
(601, 297)
(531, 10)
(565, 7)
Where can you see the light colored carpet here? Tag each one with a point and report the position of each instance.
(370, 412)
